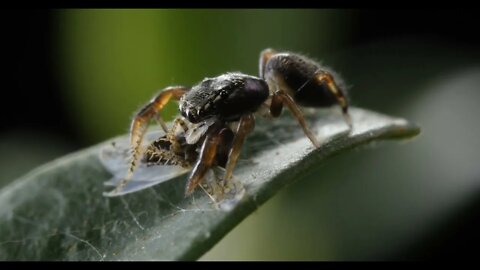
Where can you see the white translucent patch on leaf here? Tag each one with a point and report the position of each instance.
(115, 157)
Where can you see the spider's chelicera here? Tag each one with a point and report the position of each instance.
(217, 114)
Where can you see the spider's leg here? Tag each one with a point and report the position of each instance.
(206, 158)
(280, 99)
(323, 77)
(140, 123)
(265, 55)
(245, 126)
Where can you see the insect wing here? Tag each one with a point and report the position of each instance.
(115, 158)
(135, 185)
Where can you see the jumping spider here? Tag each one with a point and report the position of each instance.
(217, 114)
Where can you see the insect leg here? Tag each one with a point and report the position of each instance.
(161, 123)
(140, 123)
(323, 77)
(177, 123)
(245, 126)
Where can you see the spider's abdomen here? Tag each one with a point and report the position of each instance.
(227, 97)
(296, 75)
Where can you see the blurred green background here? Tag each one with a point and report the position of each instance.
(77, 76)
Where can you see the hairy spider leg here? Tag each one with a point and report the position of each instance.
(140, 123)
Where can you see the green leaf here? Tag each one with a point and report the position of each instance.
(57, 212)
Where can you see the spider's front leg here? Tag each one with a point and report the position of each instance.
(215, 139)
(142, 119)
(217, 135)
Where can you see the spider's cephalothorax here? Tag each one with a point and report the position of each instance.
(218, 113)
(227, 97)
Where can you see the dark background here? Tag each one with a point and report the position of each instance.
(30, 82)
(32, 98)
